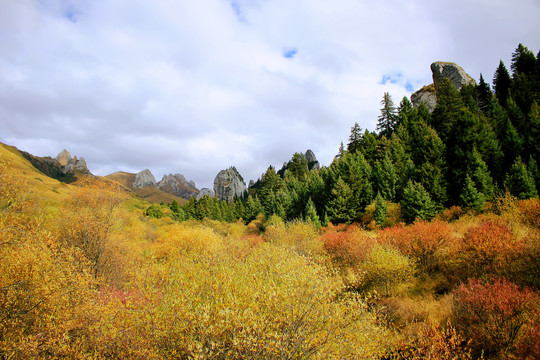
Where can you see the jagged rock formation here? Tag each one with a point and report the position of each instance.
(205, 192)
(144, 178)
(229, 184)
(447, 70)
(178, 185)
(70, 165)
(313, 163)
(441, 70)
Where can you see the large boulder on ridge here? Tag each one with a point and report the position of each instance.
(441, 70)
(229, 184)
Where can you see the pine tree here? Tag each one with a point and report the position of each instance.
(355, 138)
(340, 208)
(470, 197)
(520, 181)
(523, 61)
(417, 203)
(385, 179)
(311, 214)
(481, 177)
(386, 122)
(501, 83)
(483, 95)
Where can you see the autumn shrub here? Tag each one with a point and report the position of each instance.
(393, 215)
(496, 316)
(87, 218)
(451, 214)
(423, 241)
(434, 342)
(272, 303)
(349, 247)
(383, 270)
(300, 236)
(46, 291)
(488, 247)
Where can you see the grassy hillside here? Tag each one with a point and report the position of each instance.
(39, 185)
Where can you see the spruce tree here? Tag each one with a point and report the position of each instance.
(386, 122)
(483, 95)
(501, 83)
(340, 208)
(354, 138)
(520, 181)
(311, 214)
(417, 203)
(470, 197)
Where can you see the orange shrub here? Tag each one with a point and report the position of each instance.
(492, 315)
(348, 247)
(422, 241)
(487, 248)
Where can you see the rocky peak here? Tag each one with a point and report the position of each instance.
(229, 184)
(455, 73)
(178, 185)
(70, 165)
(441, 70)
(144, 178)
(313, 163)
(63, 158)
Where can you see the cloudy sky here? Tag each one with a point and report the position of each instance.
(197, 86)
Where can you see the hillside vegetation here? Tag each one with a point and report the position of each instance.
(327, 264)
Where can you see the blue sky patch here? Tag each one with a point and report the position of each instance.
(290, 53)
(72, 15)
(398, 79)
(235, 5)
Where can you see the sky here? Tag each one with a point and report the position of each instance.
(195, 87)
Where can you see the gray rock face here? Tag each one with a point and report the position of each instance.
(144, 178)
(426, 95)
(229, 184)
(205, 192)
(313, 163)
(441, 70)
(447, 70)
(69, 164)
(178, 185)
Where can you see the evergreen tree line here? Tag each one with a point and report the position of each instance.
(476, 143)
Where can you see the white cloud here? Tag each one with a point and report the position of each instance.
(195, 87)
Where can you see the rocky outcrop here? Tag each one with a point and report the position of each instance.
(229, 184)
(426, 95)
(447, 70)
(205, 192)
(313, 163)
(441, 70)
(144, 178)
(71, 165)
(63, 158)
(178, 185)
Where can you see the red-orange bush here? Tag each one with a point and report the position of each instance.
(422, 241)
(489, 248)
(347, 247)
(492, 314)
